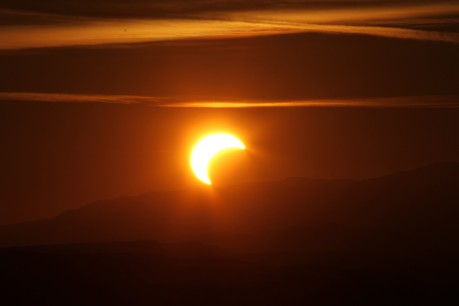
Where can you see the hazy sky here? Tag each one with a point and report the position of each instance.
(105, 98)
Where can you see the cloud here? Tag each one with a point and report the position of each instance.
(130, 31)
(147, 9)
(81, 98)
(100, 25)
(392, 102)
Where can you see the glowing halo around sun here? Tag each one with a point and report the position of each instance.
(207, 148)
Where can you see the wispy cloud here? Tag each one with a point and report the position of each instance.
(52, 29)
(131, 31)
(81, 98)
(391, 102)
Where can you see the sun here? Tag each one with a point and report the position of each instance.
(207, 148)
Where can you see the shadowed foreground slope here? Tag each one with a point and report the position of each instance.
(148, 273)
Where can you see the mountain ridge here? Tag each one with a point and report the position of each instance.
(424, 198)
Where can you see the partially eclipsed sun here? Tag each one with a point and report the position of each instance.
(207, 148)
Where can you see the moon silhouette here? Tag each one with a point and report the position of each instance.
(206, 149)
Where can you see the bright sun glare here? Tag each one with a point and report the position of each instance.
(206, 149)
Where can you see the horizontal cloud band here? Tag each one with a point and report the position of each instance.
(403, 22)
(391, 102)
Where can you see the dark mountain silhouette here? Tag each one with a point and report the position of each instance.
(386, 241)
(420, 205)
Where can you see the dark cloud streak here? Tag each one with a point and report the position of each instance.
(180, 8)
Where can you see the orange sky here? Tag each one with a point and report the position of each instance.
(100, 99)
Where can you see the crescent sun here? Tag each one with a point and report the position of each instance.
(206, 149)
